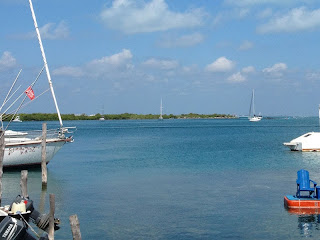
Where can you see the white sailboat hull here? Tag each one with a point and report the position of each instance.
(29, 152)
(255, 119)
(309, 142)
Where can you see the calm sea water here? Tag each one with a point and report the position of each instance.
(176, 179)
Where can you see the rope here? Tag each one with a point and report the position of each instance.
(29, 225)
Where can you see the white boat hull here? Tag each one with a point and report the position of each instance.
(309, 142)
(29, 152)
(255, 119)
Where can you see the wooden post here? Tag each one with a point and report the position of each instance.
(44, 156)
(51, 216)
(2, 146)
(42, 200)
(23, 183)
(75, 227)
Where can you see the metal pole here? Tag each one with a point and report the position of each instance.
(44, 155)
(45, 62)
(2, 147)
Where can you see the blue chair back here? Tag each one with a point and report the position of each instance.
(303, 179)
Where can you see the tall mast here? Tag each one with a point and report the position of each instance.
(161, 107)
(45, 62)
(250, 109)
(253, 111)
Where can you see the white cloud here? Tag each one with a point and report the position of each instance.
(118, 59)
(131, 17)
(313, 76)
(246, 45)
(114, 66)
(51, 31)
(298, 19)
(161, 64)
(276, 70)
(242, 3)
(7, 61)
(222, 64)
(68, 71)
(236, 13)
(182, 41)
(265, 13)
(61, 31)
(249, 69)
(243, 12)
(237, 77)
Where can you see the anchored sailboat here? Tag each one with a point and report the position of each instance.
(161, 108)
(24, 148)
(102, 115)
(17, 119)
(252, 116)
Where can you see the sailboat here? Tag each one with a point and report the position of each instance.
(161, 108)
(17, 119)
(24, 148)
(252, 116)
(102, 115)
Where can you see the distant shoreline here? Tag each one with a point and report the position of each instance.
(122, 116)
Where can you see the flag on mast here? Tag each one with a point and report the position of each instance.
(30, 93)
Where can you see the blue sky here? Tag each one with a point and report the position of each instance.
(202, 56)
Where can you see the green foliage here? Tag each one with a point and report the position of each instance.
(122, 116)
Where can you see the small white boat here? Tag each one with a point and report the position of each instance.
(17, 119)
(252, 116)
(309, 142)
(101, 119)
(14, 134)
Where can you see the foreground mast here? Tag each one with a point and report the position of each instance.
(45, 62)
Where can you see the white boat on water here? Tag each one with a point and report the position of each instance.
(308, 142)
(24, 147)
(252, 116)
(17, 119)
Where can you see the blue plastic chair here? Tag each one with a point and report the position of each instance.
(303, 183)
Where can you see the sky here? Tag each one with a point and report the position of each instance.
(200, 56)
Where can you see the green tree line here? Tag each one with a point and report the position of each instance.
(122, 116)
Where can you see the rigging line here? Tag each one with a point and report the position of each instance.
(32, 84)
(4, 102)
(35, 98)
(37, 76)
(26, 222)
(12, 104)
(24, 105)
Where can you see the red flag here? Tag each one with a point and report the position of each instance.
(30, 93)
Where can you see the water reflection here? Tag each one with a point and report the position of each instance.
(311, 158)
(308, 224)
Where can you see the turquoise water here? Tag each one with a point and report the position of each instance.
(177, 179)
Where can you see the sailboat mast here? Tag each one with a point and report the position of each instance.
(250, 105)
(45, 62)
(253, 111)
(161, 108)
